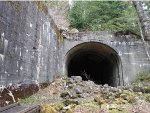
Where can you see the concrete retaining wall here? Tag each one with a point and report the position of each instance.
(29, 50)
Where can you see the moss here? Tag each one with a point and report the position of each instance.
(142, 77)
(16, 5)
(131, 99)
(87, 108)
(91, 104)
(100, 100)
(146, 89)
(69, 111)
(118, 101)
(59, 35)
(71, 102)
(123, 95)
(27, 101)
(117, 111)
(48, 109)
(59, 106)
(42, 7)
(148, 98)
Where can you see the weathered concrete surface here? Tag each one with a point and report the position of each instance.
(29, 49)
(131, 51)
(28, 43)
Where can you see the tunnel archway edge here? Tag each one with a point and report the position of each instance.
(101, 49)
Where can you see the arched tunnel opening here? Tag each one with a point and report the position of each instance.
(94, 61)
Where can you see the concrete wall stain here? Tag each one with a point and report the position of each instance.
(42, 7)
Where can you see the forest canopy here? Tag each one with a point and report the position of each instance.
(103, 16)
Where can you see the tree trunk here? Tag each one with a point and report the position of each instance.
(143, 19)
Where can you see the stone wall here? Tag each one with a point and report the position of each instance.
(29, 49)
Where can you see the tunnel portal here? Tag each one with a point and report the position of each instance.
(94, 61)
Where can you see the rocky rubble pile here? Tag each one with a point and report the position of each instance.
(81, 96)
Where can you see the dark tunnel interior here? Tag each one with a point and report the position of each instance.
(94, 61)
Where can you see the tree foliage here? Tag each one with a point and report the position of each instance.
(103, 15)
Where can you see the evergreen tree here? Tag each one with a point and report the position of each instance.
(103, 15)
